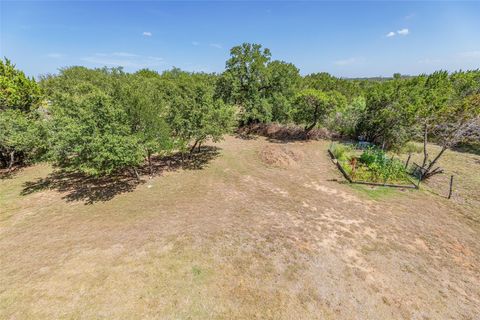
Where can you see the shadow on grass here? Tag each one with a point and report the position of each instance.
(80, 187)
(468, 148)
(9, 174)
(277, 133)
(245, 136)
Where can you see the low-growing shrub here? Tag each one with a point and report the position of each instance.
(341, 152)
(373, 156)
(377, 167)
(373, 165)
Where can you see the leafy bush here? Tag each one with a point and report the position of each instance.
(22, 137)
(379, 168)
(373, 156)
(341, 152)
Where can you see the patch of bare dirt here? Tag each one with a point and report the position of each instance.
(280, 156)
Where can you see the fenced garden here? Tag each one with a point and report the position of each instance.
(371, 165)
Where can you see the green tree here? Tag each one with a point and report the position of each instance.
(92, 135)
(22, 138)
(283, 81)
(345, 118)
(91, 131)
(195, 115)
(449, 112)
(313, 106)
(323, 81)
(17, 91)
(389, 116)
(245, 82)
(143, 96)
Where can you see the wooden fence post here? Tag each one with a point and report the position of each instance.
(451, 187)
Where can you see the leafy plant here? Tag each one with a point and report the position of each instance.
(341, 152)
(313, 106)
(380, 168)
(22, 137)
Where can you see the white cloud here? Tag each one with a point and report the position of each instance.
(55, 55)
(403, 32)
(216, 45)
(124, 59)
(346, 62)
(390, 34)
(147, 33)
(195, 43)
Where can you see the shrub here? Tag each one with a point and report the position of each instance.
(381, 168)
(373, 156)
(341, 152)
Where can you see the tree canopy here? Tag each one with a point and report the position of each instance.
(99, 121)
(21, 129)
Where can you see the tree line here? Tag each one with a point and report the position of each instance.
(100, 121)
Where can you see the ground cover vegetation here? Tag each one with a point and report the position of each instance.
(371, 165)
(102, 121)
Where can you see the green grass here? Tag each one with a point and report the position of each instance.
(372, 165)
(411, 147)
(341, 152)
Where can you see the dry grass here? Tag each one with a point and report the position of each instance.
(240, 239)
(465, 167)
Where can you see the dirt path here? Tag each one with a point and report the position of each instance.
(243, 238)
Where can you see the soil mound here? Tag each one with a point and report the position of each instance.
(280, 156)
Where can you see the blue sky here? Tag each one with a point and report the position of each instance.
(348, 39)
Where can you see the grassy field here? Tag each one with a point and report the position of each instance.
(258, 230)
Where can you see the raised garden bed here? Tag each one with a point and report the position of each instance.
(370, 167)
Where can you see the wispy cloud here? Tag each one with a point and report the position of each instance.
(55, 55)
(347, 62)
(195, 43)
(124, 59)
(216, 45)
(147, 33)
(401, 32)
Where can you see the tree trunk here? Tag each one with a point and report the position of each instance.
(427, 173)
(3, 160)
(193, 147)
(136, 173)
(315, 120)
(199, 146)
(425, 140)
(150, 167)
(12, 161)
(310, 127)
